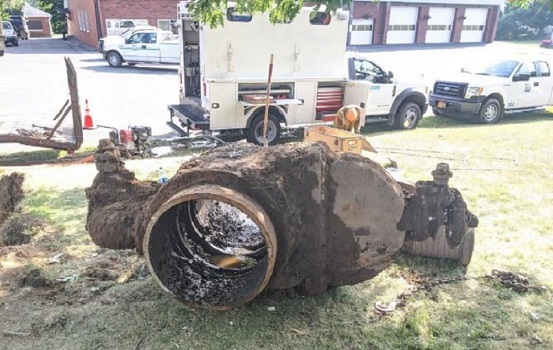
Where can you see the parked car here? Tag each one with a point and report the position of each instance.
(10, 35)
(499, 87)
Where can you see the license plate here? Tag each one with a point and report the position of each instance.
(441, 104)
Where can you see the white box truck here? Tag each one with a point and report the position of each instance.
(223, 76)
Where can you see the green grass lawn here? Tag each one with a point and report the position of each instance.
(504, 172)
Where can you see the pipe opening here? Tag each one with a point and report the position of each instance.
(210, 250)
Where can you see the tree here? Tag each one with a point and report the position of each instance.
(55, 8)
(524, 22)
(212, 12)
(10, 5)
(527, 3)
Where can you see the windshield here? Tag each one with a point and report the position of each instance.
(499, 68)
(6, 25)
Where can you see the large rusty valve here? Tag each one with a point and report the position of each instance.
(242, 219)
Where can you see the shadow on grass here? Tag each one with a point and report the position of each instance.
(18, 158)
(64, 210)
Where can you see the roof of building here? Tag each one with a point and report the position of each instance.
(30, 11)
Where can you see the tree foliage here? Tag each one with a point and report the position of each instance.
(528, 3)
(524, 21)
(7, 5)
(212, 12)
(55, 8)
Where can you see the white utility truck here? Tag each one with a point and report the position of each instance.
(224, 70)
(145, 45)
(495, 88)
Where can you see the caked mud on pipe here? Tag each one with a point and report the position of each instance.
(242, 219)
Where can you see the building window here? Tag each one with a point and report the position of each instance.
(235, 16)
(401, 27)
(86, 25)
(473, 27)
(164, 24)
(439, 27)
(361, 27)
(34, 25)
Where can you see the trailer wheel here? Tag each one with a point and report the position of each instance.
(408, 116)
(254, 133)
(114, 59)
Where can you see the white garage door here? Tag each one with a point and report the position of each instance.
(402, 25)
(440, 24)
(474, 24)
(361, 31)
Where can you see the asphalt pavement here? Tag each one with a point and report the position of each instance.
(33, 87)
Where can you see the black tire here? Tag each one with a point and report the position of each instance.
(254, 133)
(131, 64)
(408, 116)
(16, 43)
(114, 59)
(491, 112)
(436, 112)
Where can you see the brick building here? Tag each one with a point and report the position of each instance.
(38, 22)
(423, 21)
(373, 22)
(89, 20)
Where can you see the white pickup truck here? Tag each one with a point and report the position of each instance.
(494, 89)
(147, 45)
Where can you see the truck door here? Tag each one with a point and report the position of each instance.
(152, 47)
(369, 80)
(527, 93)
(135, 48)
(545, 82)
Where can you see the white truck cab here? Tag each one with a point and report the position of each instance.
(146, 45)
(223, 76)
(495, 88)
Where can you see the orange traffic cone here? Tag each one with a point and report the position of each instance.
(88, 123)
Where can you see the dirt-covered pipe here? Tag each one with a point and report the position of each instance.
(242, 218)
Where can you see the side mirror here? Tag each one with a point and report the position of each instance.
(464, 70)
(390, 75)
(127, 41)
(521, 77)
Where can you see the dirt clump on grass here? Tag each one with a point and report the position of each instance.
(19, 228)
(11, 194)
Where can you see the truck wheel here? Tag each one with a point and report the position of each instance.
(254, 133)
(408, 116)
(491, 112)
(436, 112)
(114, 59)
(16, 43)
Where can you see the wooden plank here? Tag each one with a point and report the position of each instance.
(75, 106)
(65, 113)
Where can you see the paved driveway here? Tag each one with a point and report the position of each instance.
(33, 82)
(33, 87)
